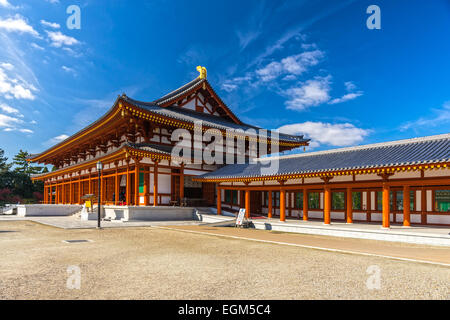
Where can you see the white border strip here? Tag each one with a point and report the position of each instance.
(309, 247)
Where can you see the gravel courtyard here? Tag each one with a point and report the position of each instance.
(151, 263)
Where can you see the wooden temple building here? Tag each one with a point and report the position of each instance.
(405, 182)
(133, 142)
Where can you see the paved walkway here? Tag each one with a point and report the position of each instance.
(74, 223)
(394, 250)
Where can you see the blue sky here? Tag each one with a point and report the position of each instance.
(307, 67)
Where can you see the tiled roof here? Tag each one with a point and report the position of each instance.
(149, 147)
(179, 92)
(427, 150)
(207, 119)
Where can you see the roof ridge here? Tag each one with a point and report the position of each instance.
(363, 147)
(179, 90)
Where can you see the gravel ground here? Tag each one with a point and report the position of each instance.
(149, 263)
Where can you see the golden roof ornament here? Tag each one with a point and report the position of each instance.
(202, 71)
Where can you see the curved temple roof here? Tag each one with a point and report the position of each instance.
(181, 114)
(427, 150)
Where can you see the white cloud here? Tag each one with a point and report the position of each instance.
(53, 25)
(69, 70)
(15, 88)
(17, 24)
(346, 97)
(58, 39)
(350, 87)
(10, 110)
(58, 139)
(441, 118)
(9, 122)
(7, 66)
(53, 1)
(26, 131)
(295, 65)
(5, 4)
(342, 134)
(233, 84)
(36, 46)
(310, 93)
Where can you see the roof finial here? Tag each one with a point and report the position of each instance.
(202, 71)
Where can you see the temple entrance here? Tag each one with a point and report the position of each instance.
(256, 202)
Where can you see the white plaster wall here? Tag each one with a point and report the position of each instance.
(337, 215)
(429, 200)
(373, 202)
(321, 200)
(362, 177)
(418, 200)
(437, 173)
(364, 200)
(376, 217)
(438, 218)
(315, 214)
(416, 218)
(164, 183)
(359, 216)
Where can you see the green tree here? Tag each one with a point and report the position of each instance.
(22, 165)
(3, 165)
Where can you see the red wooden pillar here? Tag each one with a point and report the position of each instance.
(116, 185)
(247, 203)
(386, 215)
(128, 185)
(219, 201)
(136, 183)
(327, 205)
(282, 205)
(146, 186)
(155, 184)
(406, 206)
(349, 204)
(305, 204)
(270, 209)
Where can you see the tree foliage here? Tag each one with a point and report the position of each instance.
(16, 184)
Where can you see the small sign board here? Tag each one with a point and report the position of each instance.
(88, 204)
(240, 217)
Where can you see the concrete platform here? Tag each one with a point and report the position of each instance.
(439, 236)
(74, 223)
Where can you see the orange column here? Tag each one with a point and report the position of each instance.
(386, 216)
(282, 205)
(305, 204)
(219, 201)
(327, 205)
(136, 184)
(349, 206)
(79, 188)
(146, 186)
(247, 204)
(70, 191)
(116, 187)
(128, 186)
(270, 208)
(155, 184)
(406, 206)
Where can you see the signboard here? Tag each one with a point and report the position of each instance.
(240, 217)
(88, 204)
